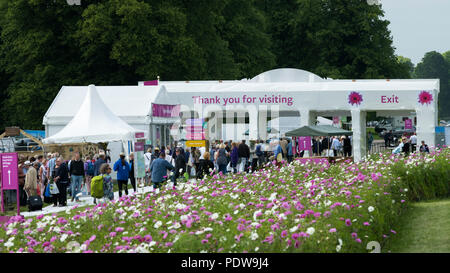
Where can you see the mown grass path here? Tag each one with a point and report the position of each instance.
(424, 228)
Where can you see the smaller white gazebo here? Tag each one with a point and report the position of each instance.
(94, 123)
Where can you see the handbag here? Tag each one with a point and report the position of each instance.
(279, 157)
(54, 188)
(193, 172)
(229, 169)
(47, 191)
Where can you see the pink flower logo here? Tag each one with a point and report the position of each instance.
(425, 97)
(355, 98)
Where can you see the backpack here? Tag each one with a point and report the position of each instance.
(258, 150)
(90, 169)
(97, 186)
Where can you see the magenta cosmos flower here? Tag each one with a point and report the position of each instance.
(425, 97)
(355, 98)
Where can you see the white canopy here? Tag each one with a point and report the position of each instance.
(94, 122)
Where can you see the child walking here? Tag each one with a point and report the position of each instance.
(108, 192)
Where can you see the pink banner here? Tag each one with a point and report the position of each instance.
(165, 111)
(304, 143)
(408, 124)
(335, 120)
(195, 136)
(194, 129)
(140, 135)
(139, 146)
(10, 178)
(155, 82)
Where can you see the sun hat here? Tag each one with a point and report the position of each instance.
(28, 163)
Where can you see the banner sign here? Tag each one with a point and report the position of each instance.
(139, 146)
(304, 143)
(139, 165)
(165, 111)
(196, 143)
(194, 129)
(9, 176)
(335, 120)
(195, 136)
(155, 82)
(139, 135)
(408, 124)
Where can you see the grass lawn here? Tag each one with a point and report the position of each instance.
(424, 228)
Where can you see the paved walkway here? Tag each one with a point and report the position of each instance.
(85, 201)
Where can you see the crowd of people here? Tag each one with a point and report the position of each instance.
(73, 176)
(36, 175)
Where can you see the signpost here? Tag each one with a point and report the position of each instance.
(139, 162)
(9, 176)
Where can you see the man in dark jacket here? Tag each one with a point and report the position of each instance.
(61, 177)
(180, 165)
(76, 175)
(98, 163)
(244, 155)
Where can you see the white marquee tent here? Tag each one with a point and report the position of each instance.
(93, 123)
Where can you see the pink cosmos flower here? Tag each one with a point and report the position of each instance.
(332, 230)
(366, 224)
(119, 229)
(355, 98)
(425, 97)
(354, 235)
(348, 222)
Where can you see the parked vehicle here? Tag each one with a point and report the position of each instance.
(26, 144)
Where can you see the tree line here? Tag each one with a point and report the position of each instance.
(47, 44)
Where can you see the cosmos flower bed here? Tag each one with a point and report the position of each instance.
(295, 208)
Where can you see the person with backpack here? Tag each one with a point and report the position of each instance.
(88, 173)
(123, 171)
(259, 153)
(290, 154)
(159, 169)
(221, 159)
(244, 155)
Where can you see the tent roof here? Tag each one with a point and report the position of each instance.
(318, 130)
(123, 101)
(94, 122)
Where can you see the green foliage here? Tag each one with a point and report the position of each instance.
(427, 182)
(47, 44)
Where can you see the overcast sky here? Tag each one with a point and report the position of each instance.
(418, 26)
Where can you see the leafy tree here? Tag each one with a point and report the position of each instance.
(408, 64)
(434, 66)
(333, 38)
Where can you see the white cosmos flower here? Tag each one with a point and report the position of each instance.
(338, 248)
(63, 237)
(293, 229)
(214, 216)
(157, 224)
(371, 209)
(310, 230)
(9, 244)
(254, 236)
(340, 242)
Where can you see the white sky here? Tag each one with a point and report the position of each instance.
(418, 26)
